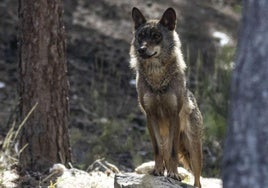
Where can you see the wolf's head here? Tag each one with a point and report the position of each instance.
(154, 38)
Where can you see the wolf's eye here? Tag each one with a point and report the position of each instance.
(141, 35)
(156, 36)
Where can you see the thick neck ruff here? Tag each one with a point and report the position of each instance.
(158, 78)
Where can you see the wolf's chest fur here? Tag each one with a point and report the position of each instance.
(156, 74)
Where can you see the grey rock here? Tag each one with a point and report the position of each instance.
(134, 180)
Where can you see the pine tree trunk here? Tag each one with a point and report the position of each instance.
(43, 80)
(245, 161)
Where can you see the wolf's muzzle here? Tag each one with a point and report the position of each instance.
(143, 52)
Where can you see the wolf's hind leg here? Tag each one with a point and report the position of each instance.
(196, 162)
(191, 156)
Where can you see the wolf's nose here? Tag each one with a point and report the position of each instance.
(142, 50)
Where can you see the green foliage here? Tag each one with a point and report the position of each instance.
(214, 125)
(213, 93)
(238, 7)
(213, 98)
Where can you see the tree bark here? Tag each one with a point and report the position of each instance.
(245, 161)
(43, 80)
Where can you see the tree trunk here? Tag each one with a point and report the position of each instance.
(43, 80)
(245, 161)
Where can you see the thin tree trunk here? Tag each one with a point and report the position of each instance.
(245, 162)
(43, 80)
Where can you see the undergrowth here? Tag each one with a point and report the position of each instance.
(9, 153)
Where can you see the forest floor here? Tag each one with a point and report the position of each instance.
(105, 120)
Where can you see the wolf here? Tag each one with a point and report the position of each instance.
(173, 118)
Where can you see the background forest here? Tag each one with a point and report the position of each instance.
(105, 119)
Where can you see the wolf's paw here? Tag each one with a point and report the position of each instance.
(175, 176)
(157, 172)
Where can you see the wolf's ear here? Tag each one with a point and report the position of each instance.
(137, 17)
(169, 19)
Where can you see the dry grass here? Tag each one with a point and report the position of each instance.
(9, 153)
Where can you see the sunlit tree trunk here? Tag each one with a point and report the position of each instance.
(43, 81)
(245, 162)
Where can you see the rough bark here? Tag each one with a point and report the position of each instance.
(245, 162)
(43, 80)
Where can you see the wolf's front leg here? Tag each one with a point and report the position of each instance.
(172, 161)
(159, 168)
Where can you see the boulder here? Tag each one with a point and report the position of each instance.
(104, 175)
(134, 180)
(142, 179)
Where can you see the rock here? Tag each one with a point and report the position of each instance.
(134, 180)
(8, 178)
(105, 175)
(141, 179)
(69, 178)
